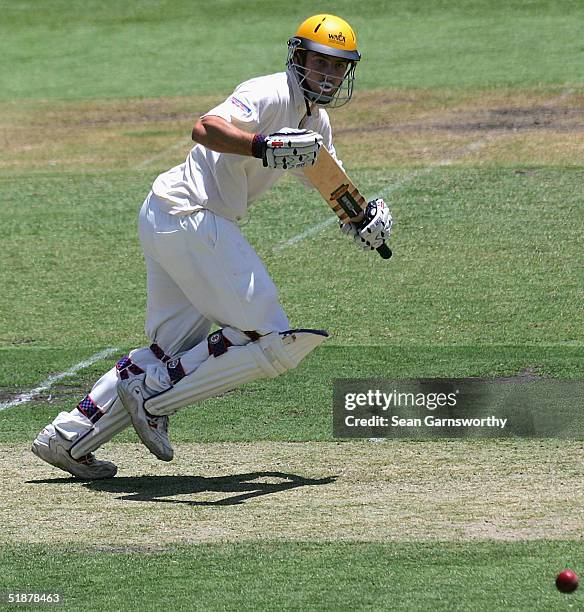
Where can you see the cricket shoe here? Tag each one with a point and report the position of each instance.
(49, 448)
(152, 430)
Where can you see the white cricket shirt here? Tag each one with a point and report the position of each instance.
(227, 183)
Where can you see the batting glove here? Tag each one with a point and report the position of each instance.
(374, 230)
(287, 148)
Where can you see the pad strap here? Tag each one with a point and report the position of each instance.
(175, 371)
(125, 367)
(218, 343)
(89, 409)
(159, 353)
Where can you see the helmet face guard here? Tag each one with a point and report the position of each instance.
(334, 38)
(320, 87)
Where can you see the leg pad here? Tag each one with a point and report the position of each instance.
(269, 357)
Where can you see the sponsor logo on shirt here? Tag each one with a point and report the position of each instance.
(246, 109)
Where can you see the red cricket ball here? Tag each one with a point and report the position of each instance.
(567, 581)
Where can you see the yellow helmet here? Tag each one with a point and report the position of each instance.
(326, 35)
(330, 35)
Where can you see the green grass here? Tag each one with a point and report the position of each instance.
(104, 48)
(341, 576)
(481, 257)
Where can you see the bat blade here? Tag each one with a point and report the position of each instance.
(339, 191)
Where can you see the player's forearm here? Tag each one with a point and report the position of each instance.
(219, 135)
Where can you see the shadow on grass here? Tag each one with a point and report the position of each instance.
(158, 488)
(246, 486)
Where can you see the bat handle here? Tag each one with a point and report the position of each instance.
(384, 251)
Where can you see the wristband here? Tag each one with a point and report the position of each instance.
(257, 146)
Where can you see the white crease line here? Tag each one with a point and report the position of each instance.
(147, 162)
(305, 234)
(23, 398)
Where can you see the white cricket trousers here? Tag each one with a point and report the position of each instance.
(201, 266)
(200, 271)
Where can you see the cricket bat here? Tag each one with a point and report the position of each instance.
(339, 191)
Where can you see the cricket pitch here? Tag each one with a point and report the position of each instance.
(314, 491)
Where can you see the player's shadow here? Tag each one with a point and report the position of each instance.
(234, 489)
